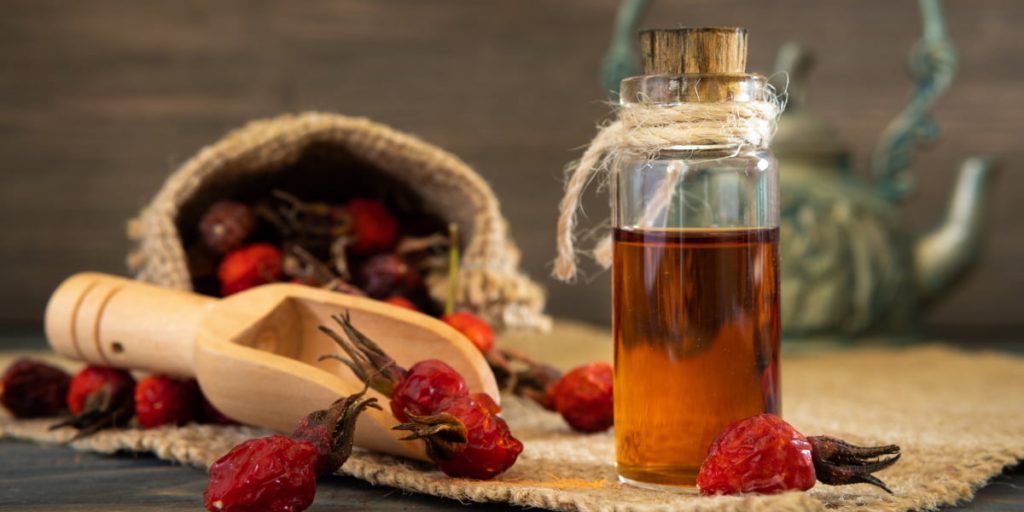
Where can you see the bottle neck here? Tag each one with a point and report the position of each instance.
(695, 88)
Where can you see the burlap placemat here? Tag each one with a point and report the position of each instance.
(958, 416)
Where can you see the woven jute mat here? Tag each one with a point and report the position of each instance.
(959, 417)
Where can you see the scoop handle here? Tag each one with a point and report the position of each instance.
(113, 321)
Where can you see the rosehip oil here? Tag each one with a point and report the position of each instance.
(696, 327)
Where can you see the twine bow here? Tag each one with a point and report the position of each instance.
(646, 129)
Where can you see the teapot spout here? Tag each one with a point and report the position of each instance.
(947, 253)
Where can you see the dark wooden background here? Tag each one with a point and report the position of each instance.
(100, 100)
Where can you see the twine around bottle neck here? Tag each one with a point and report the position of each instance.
(646, 129)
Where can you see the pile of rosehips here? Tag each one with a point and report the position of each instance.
(464, 435)
(357, 247)
(361, 248)
(98, 397)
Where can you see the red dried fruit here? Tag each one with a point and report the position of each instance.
(402, 302)
(764, 454)
(99, 397)
(249, 266)
(279, 473)
(426, 385)
(584, 397)
(226, 225)
(465, 437)
(386, 274)
(266, 474)
(472, 327)
(419, 390)
(374, 228)
(761, 454)
(162, 400)
(33, 389)
(94, 381)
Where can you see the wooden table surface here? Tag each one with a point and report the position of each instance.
(48, 477)
(38, 477)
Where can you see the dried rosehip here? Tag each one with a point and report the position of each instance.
(267, 474)
(278, 473)
(32, 389)
(419, 390)
(764, 454)
(402, 302)
(584, 397)
(162, 400)
(761, 454)
(374, 228)
(94, 381)
(249, 266)
(465, 437)
(425, 386)
(99, 398)
(386, 274)
(473, 327)
(226, 225)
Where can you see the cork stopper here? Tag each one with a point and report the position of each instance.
(694, 50)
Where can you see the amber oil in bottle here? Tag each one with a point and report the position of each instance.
(696, 323)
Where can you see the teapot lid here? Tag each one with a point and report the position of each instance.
(805, 134)
(802, 133)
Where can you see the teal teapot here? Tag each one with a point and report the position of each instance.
(850, 268)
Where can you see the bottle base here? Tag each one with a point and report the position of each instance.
(676, 488)
(675, 479)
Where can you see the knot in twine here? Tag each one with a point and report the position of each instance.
(646, 129)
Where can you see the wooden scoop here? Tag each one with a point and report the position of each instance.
(255, 353)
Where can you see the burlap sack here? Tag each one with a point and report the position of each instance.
(320, 150)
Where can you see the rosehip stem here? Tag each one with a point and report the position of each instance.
(366, 359)
(446, 435)
(101, 412)
(340, 421)
(521, 374)
(352, 406)
(317, 269)
(837, 462)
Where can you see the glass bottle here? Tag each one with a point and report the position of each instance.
(695, 283)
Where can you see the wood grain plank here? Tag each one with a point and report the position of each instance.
(100, 100)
